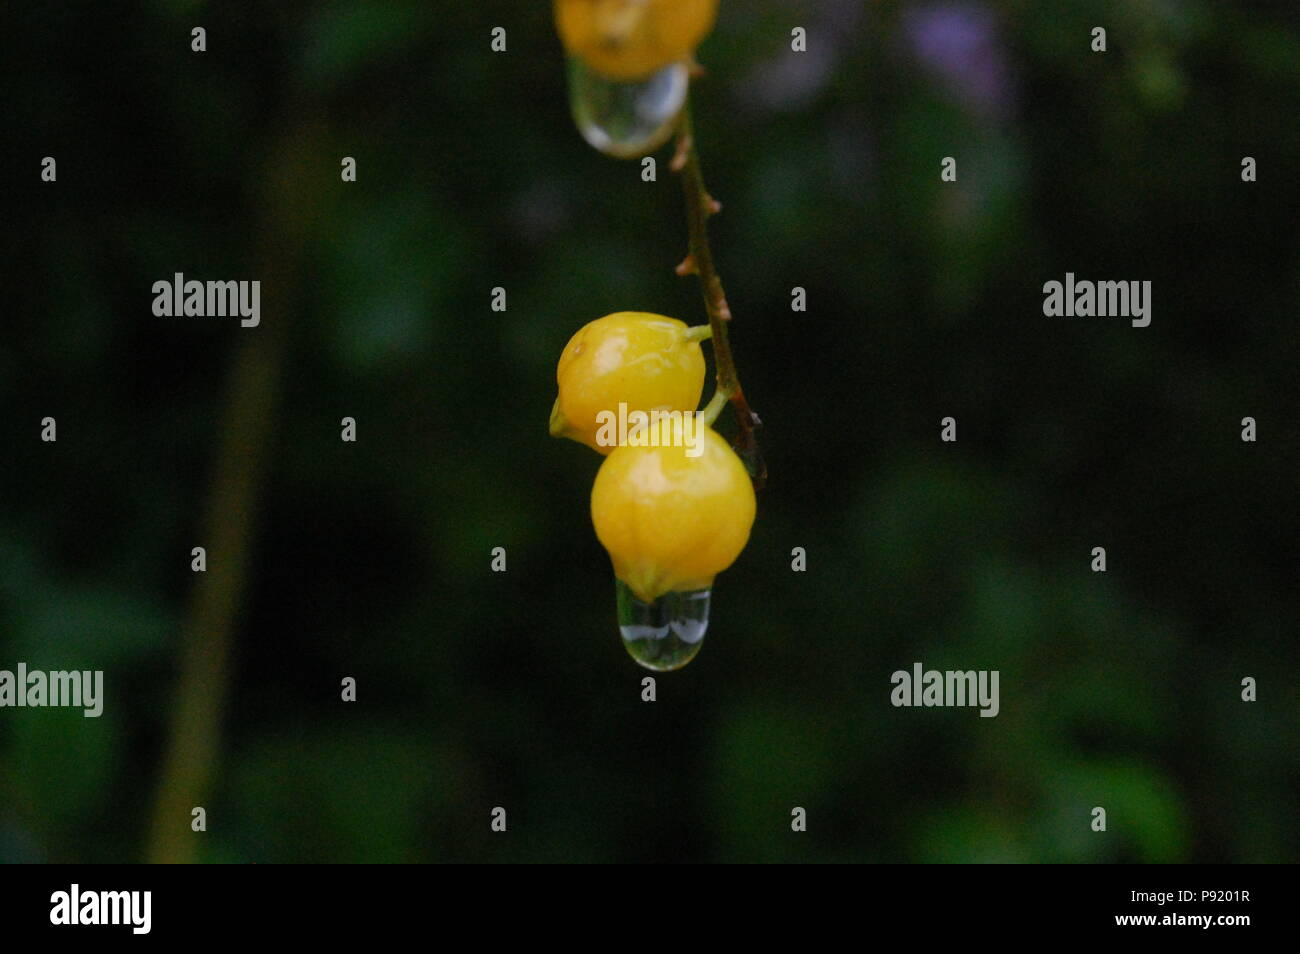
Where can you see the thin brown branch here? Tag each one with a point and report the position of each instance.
(699, 261)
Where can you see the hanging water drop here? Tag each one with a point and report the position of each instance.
(667, 633)
(626, 119)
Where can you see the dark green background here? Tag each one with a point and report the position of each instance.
(479, 689)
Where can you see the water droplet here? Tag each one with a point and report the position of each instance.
(667, 633)
(626, 119)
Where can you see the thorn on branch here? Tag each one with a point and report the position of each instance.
(713, 204)
(687, 266)
(684, 144)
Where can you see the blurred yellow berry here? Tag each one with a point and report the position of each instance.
(672, 521)
(630, 39)
(641, 361)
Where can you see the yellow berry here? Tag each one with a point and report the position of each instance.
(642, 361)
(630, 39)
(671, 521)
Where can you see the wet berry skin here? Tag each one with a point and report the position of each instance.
(672, 522)
(628, 40)
(646, 362)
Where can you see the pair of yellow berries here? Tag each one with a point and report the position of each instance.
(673, 513)
(628, 40)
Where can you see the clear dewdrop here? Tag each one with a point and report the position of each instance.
(666, 634)
(626, 119)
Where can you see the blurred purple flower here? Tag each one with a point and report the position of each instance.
(959, 43)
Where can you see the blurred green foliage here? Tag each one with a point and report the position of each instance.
(478, 689)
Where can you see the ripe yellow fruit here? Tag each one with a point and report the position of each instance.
(670, 521)
(628, 40)
(646, 362)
